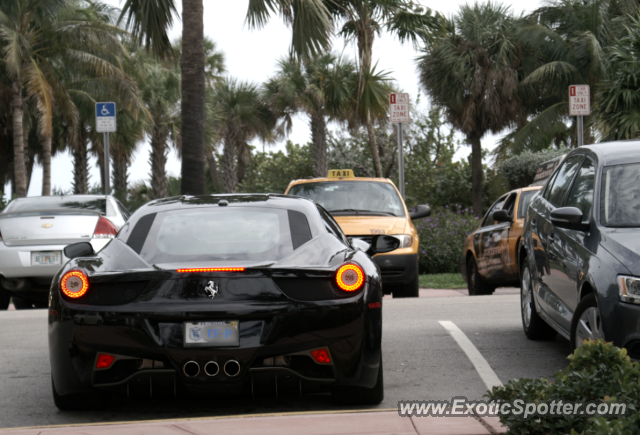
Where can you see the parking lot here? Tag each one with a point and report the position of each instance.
(422, 361)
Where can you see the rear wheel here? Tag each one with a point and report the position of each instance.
(98, 401)
(4, 299)
(408, 290)
(476, 285)
(534, 327)
(22, 303)
(348, 395)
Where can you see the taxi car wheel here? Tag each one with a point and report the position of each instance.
(408, 290)
(587, 322)
(4, 299)
(348, 395)
(98, 401)
(534, 327)
(475, 283)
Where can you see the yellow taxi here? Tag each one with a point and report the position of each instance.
(489, 256)
(365, 207)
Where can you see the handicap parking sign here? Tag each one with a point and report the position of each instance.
(105, 117)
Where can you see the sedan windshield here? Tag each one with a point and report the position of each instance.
(621, 196)
(367, 198)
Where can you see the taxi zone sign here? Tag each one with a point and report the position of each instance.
(579, 101)
(399, 108)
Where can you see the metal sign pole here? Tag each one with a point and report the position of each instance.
(107, 188)
(580, 131)
(400, 160)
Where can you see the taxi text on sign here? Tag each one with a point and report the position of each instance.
(340, 173)
(579, 101)
(399, 108)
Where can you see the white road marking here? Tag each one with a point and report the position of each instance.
(483, 368)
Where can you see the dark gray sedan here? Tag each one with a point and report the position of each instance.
(580, 255)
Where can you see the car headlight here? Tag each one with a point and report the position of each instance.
(405, 241)
(629, 288)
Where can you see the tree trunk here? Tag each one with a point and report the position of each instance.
(193, 90)
(244, 154)
(81, 163)
(476, 177)
(213, 171)
(46, 166)
(319, 143)
(229, 165)
(100, 165)
(120, 164)
(30, 162)
(18, 142)
(374, 147)
(159, 163)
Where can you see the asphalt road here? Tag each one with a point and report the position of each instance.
(421, 362)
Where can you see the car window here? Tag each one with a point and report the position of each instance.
(581, 194)
(353, 197)
(332, 226)
(125, 213)
(562, 182)
(525, 200)
(510, 204)
(620, 197)
(58, 203)
(496, 206)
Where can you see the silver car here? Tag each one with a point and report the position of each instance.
(33, 233)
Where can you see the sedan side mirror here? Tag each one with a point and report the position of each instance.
(382, 244)
(502, 216)
(569, 218)
(422, 211)
(82, 249)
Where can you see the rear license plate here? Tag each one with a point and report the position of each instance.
(46, 258)
(212, 334)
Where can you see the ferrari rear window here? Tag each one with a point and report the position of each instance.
(224, 233)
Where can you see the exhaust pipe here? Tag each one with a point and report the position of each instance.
(211, 368)
(232, 368)
(191, 369)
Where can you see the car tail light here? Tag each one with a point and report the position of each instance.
(350, 277)
(321, 356)
(105, 229)
(74, 284)
(104, 361)
(212, 269)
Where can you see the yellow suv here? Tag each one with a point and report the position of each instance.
(364, 207)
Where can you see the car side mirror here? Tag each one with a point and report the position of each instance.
(569, 218)
(382, 244)
(82, 249)
(502, 216)
(422, 211)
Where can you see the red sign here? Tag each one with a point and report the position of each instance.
(399, 108)
(579, 100)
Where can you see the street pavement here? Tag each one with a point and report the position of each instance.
(422, 361)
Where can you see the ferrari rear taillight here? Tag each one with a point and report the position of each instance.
(350, 277)
(105, 229)
(74, 284)
(321, 356)
(104, 361)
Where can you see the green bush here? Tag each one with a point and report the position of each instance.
(442, 236)
(520, 170)
(598, 372)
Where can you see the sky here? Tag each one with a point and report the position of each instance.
(251, 55)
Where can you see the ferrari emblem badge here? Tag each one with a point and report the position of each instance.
(46, 225)
(211, 289)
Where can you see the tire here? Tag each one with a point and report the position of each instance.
(77, 402)
(4, 299)
(534, 327)
(587, 322)
(22, 303)
(348, 395)
(408, 290)
(476, 285)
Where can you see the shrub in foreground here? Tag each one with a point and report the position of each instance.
(598, 372)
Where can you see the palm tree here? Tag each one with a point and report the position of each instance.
(318, 87)
(150, 21)
(361, 20)
(40, 37)
(472, 72)
(244, 116)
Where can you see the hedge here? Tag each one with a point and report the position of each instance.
(520, 170)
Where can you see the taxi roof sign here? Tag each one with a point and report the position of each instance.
(340, 173)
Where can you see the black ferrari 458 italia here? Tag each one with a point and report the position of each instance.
(219, 293)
